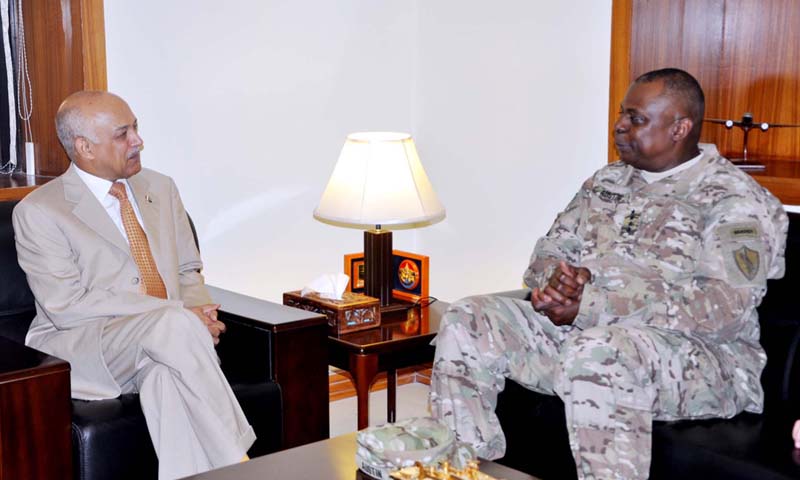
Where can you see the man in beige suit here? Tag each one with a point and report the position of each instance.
(127, 324)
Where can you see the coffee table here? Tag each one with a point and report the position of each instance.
(332, 459)
(402, 340)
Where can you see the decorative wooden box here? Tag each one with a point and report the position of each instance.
(355, 311)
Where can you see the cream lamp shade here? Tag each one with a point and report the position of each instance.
(379, 181)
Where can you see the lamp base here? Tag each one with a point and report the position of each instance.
(378, 265)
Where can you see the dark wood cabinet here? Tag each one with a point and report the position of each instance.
(35, 412)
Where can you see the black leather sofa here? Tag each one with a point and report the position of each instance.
(110, 438)
(748, 446)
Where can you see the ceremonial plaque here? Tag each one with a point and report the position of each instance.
(409, 272)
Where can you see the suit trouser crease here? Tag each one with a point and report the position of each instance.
(613, 380)
(194, 419)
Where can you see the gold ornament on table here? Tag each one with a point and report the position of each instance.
(445, 472)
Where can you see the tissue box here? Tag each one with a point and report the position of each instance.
(353, 312)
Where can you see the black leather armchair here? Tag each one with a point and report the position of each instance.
(283, 389)
(748, 446)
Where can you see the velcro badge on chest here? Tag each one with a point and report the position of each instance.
(607, 195)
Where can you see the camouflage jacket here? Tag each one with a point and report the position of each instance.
(691, 252)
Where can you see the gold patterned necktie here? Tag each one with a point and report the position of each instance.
(140, 249)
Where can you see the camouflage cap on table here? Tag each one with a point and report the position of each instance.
(388, 447)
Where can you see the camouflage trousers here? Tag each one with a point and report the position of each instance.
(614, 381)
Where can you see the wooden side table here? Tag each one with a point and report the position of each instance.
(35, 414)
(402, 340)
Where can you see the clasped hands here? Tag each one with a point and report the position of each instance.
(208, 315)
(561, 297)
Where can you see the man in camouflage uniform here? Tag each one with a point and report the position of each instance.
(644, 296)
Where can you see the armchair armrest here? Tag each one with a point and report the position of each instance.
(522, 293)
(269, 341)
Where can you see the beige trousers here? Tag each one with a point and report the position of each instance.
(194, 420)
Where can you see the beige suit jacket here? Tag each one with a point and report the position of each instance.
(80, 269)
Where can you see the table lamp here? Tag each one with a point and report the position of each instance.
(379, 182)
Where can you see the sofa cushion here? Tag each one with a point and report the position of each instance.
(110, 440)
(748, 446)
(262, 405)
(536, 433)
(102, 429)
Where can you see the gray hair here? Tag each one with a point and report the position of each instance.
(71, 122)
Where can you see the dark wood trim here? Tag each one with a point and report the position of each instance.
(298, 340)
(35, 414)
(14, 193)
(786, 189)
(341, 385)
(378, 265)
(363, 368)
(301, 369)
(16, 186)
(298, 365)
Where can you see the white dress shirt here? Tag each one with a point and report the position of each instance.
(100, 188)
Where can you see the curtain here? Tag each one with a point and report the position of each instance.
(8, 104)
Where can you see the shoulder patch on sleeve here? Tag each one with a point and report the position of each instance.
(743, 253)
(748, 261)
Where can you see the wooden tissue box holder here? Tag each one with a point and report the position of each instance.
(355, 311)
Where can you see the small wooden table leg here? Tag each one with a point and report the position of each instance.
(391, 394)
(363, 368)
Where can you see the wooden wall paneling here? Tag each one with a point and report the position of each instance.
(701, 44)
(664, 33)
(65, 44)
(745, 53)
(701, 52)
(761, 72)
(621, 11)
(656, 38)
(686, 34)
(94, 45)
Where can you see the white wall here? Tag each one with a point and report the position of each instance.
(246, 105)
(511, 117)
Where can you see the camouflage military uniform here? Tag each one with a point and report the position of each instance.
(667, 328)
